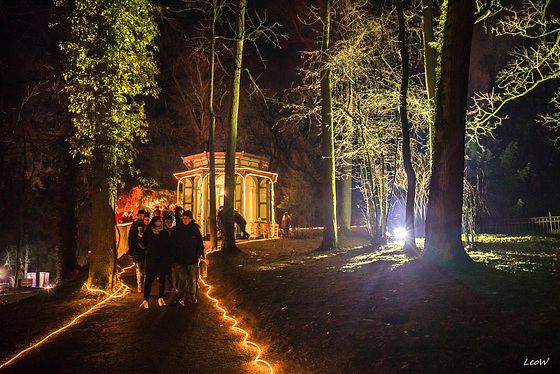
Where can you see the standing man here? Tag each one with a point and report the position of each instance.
(219, 219)
(188, 246)
(286, 221)
(242, 223)
(134, 248)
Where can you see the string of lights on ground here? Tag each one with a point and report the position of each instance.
(234, 327)
(120, 292)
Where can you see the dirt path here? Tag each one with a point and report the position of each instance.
(124, 338)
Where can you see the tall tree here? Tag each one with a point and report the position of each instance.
(345, 190)
(430, 52)
(110, 51)
(365, 93)
(213, 10)
(212, 129)
(67, 230)
(330, 236)
(228, 231)
(443, 218)
(410, 240)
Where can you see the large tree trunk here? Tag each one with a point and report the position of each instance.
(212, 132)
(410, 241)
(228, 233)
(330, 238)
(103, 257)
(443, 220)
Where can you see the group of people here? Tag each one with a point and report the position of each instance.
(166, 246)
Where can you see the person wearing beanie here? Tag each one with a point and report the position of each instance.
(178, 215)
(156, 241)
(188, 249)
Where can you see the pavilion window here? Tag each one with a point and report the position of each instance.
(188, 194)
(239, 194)
(263, 197)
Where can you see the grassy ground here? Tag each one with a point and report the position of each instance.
(365, 309)
(369, 310)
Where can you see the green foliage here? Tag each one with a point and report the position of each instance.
(518, 254)
(110, 51)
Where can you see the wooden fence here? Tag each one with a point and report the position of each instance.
(534, 225)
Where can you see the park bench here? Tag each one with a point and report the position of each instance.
(4, 287)
(25, 283)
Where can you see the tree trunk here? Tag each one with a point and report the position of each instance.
(383, 199)
(24, 184)
(212, 132)
(67, 217)
(443, 218)
(410, 241)
(228, 230)
(346, 184)
(346, 200)
(330, 239)
(430, 53)
(103, 257)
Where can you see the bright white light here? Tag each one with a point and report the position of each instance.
(400, 233)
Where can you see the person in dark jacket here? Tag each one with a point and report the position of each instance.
(171, 283)
(188, 249)
(178, 213)
(242, 223)
(156, 241)
(220, 219)
(134, 248)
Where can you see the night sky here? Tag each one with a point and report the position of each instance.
(29, 56)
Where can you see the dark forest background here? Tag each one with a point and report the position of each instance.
(44, 192)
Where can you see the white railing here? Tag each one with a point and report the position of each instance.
(533, 225)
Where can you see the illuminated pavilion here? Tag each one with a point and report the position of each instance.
(254, 190)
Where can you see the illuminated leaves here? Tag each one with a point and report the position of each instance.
(110, 51)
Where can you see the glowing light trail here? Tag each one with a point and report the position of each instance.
(234, 327)
(120, 292)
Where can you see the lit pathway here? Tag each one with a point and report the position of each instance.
(123, 338)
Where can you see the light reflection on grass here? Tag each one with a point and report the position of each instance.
(506, 253)
(391, 252)
(517, 253)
